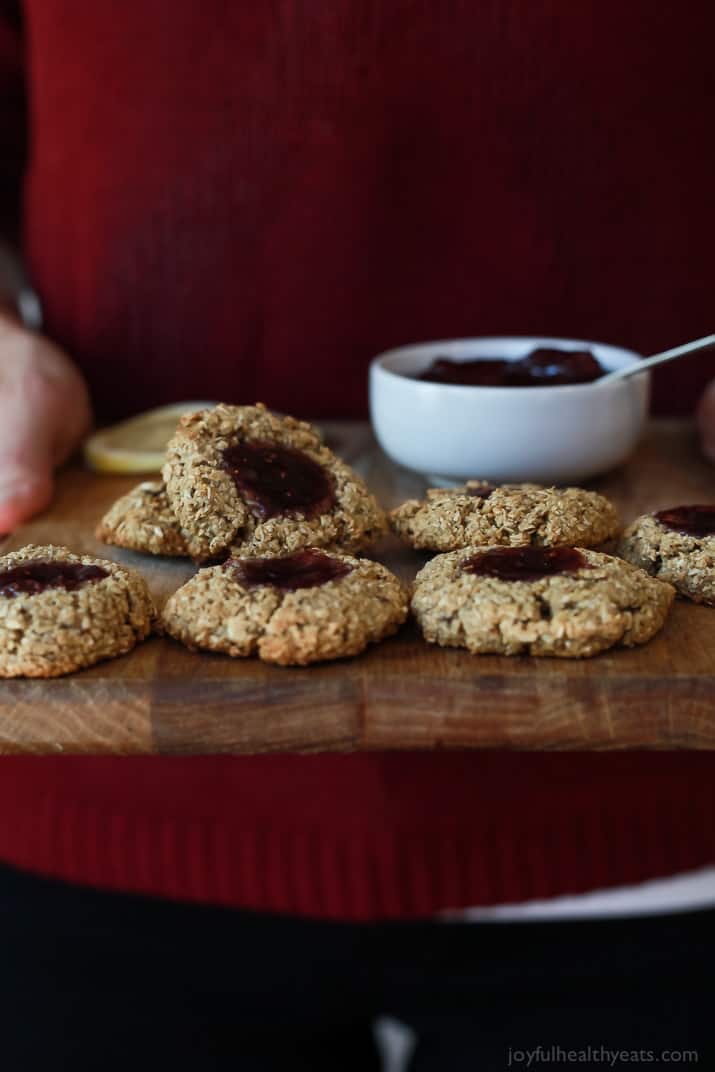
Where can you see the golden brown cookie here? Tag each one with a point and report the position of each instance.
(508, 514)
(60, 612)
(569, 602)
(243, 480)
(678, 546)
(293, 609)
(142, 520)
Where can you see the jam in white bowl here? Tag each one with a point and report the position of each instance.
(557, 434)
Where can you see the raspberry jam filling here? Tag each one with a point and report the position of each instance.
(525, 563)
(304, 569)
(696, 521)
(541, 368)
(275, 480)
(482, 492)
(38, 575)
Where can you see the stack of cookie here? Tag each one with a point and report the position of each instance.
(517, 573)
(280, 517)
(240, 480)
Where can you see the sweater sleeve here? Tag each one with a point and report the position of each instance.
(12, 118)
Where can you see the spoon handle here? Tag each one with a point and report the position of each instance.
(705, 343)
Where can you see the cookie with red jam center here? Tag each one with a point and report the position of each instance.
(60, 612)
(676, 545)
(565, 601)
(243, 481)
(303, 607)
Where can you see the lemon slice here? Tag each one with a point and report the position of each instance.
(139, 444)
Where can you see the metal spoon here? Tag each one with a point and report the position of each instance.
(706, 343)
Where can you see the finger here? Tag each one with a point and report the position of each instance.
(26, 465)
(705, 417)
(23, 493)
(44, 411)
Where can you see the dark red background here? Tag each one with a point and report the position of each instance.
(249, 201)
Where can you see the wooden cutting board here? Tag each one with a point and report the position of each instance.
(403, 694)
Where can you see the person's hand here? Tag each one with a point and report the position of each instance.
(44, 413)
(705, 417)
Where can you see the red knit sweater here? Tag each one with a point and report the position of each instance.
(247, 201)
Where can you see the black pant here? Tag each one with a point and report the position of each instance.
(103, 982)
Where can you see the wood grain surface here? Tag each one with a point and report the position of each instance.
(403, 694)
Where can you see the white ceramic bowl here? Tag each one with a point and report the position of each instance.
(546, 434)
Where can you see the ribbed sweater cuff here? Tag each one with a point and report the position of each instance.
(361, 875)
